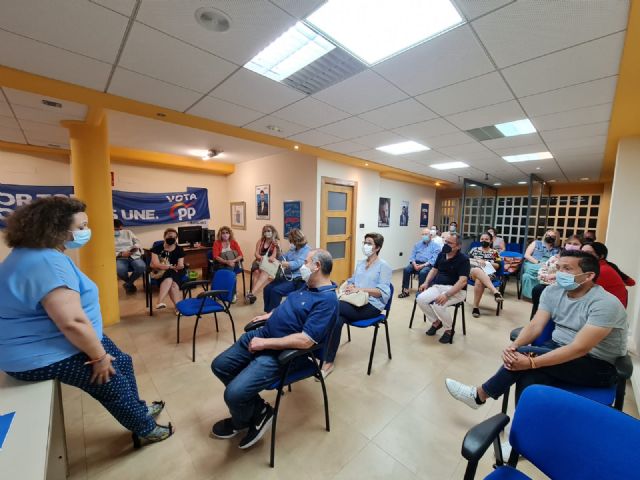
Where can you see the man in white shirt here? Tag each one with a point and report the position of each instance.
(129, 265)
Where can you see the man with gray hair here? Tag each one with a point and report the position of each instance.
(251, 364)
(444, 287)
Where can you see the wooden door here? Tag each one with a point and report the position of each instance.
(336, 226)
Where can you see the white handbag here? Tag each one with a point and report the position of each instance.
(357, 299)
(270, 268)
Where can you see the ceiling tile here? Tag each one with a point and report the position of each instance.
(515, 141)
(254, 25)
(467, 150)
(468, 95)
(44, 133)
(310, 112)
(345, 147)
(578, 149)
(80, 27)
(4, 106)
(485, 116)
(581, 131)
(315, 138)
(586, 94)
(457, 138)
(377, 156)
(9, 122)
(428, 156)
(297, 8)
(222, 111)
(380, 139)
(51, 116)
(149, 90)
(525, 30)
(448, 58)
(583, 63)
(360, 93)
(350, 128)
(522, 149)
(159, 56)
(13, 135)
(125, 7)
(69, 109)
(398, 114)
(475, 8)
(594, 142)
(35, 57)
(254, 91)
(425, 130)
(287, 128)
(578, 116)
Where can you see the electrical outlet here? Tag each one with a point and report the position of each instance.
(400, 253)
(362, 225)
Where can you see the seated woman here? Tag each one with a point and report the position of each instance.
(169, 257)
(291, 279)
(268, 246)
(226, 251)
(373, 276)
(498, 242)
(479, 257)
(611, 278)
(538, 252)
(50, 319)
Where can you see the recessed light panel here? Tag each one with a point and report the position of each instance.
(403, 148)
(449, 165)
(519, 127)
(527, 157)
(522, 183)
(374, 31)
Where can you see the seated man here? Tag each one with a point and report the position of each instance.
(251, 364)
(128, 253)
(447, 278)
(422, 258)
(590, 333)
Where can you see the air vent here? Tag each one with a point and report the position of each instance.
(50, 103)
(333, 67)
(485, 133)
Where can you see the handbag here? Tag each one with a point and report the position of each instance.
(357, 299)
(270, 268)
(158, 274)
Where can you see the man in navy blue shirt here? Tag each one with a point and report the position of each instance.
(251, 364)
(423, 257)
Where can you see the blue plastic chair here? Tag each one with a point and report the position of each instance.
(149, 282)
(375, 322)
(473, 245)
(496, 282)
(216, 300)
(239, 269)
(564, 435)
(507, 275)
(513, 247)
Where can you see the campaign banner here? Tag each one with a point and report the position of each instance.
(292, 215)
(14, 196)
(136, 208)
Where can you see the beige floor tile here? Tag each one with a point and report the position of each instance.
(374, 463)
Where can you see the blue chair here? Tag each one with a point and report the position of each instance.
(507, 275)
(149, 282)
(473, 245)
(239, 269)
(564, 435)
(216, 300)
(496, 282)
(375, 323)
(514, 247)
(298, 365)
(611, 396)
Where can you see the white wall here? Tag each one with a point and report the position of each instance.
(370, 188)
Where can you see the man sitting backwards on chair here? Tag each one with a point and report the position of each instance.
(251, 364)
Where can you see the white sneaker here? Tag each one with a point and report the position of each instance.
(506, 450)
(464, 393)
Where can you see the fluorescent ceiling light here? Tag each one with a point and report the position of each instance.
(291, 51)
(373, 31)
(403, 148)
(519, 127)
(448, 165)
(497, 184)
(198, 153)
(526, 157)
(522, 183)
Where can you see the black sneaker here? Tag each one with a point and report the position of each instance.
(224, 429)
(446, 337)
(432, 331)
(258, 428)
(130, 289)
(476, 312)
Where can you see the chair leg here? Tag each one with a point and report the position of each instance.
(464, 320)
(348, 333)
(413, 312)
(178, 329)
(233, 326)
(193, 346)
(244, 286)
(386, 330)
(620, 393)
(216, 317)
(324, 394)
(373, 348)
(273, 426)
(505, 401)
(455, 318)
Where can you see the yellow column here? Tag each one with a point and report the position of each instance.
(90, 167)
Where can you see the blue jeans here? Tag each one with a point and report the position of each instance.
(124, 265)
(277, 290)
(245, 375)
(409, 270)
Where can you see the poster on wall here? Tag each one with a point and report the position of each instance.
(14, 196)
(384, 209)
(424, 215)
(292, 215)
(263, 199)
(239, 215)
(137, 208)
(404, 213)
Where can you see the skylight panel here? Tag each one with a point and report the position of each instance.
(403, 148)
(519, 127)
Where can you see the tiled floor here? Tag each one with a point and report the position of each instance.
(398, 423)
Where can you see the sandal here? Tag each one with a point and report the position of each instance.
(251, 298)
(155, 408)
(476, 312)
(158, 434)
(160, 306)
(404, 294)
(498, 297)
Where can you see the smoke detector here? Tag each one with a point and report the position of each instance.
(213, 19)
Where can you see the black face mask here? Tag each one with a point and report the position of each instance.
(170, 240)
(549, 239)
(446, 249)
(486, 244)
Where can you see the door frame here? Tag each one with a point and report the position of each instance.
(323, 228)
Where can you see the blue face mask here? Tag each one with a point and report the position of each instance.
(426, 238)
(117, 233)
(566, 281)
(80, 238)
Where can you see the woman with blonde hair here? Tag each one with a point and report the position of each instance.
(267, 246)
(537, 253)
(226, 251)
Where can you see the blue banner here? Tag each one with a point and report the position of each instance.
(14, 196)
(135, 208)
(292, 214)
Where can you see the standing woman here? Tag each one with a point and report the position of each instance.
(268, 246)
(50, 320)
(537, 253)
(169, 257)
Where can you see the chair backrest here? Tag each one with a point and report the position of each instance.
(224, 280)
(569, 436)
(388, 305)
(545, 335)
(514, 247)
(473, 245)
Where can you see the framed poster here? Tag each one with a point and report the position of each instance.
(384, 208)
(404, 213)
(424, 215)
(292, 215)
(263, 200)
(239, 215)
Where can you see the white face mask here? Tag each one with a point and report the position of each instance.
(452, 228)
(268, 234)
(433, 232)
(305, 273)
(367, 249)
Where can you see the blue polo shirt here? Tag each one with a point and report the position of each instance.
(28, 337)
(307, 310)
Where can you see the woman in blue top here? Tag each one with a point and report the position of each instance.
(50, 320)
(537, 253)
(373, 276)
